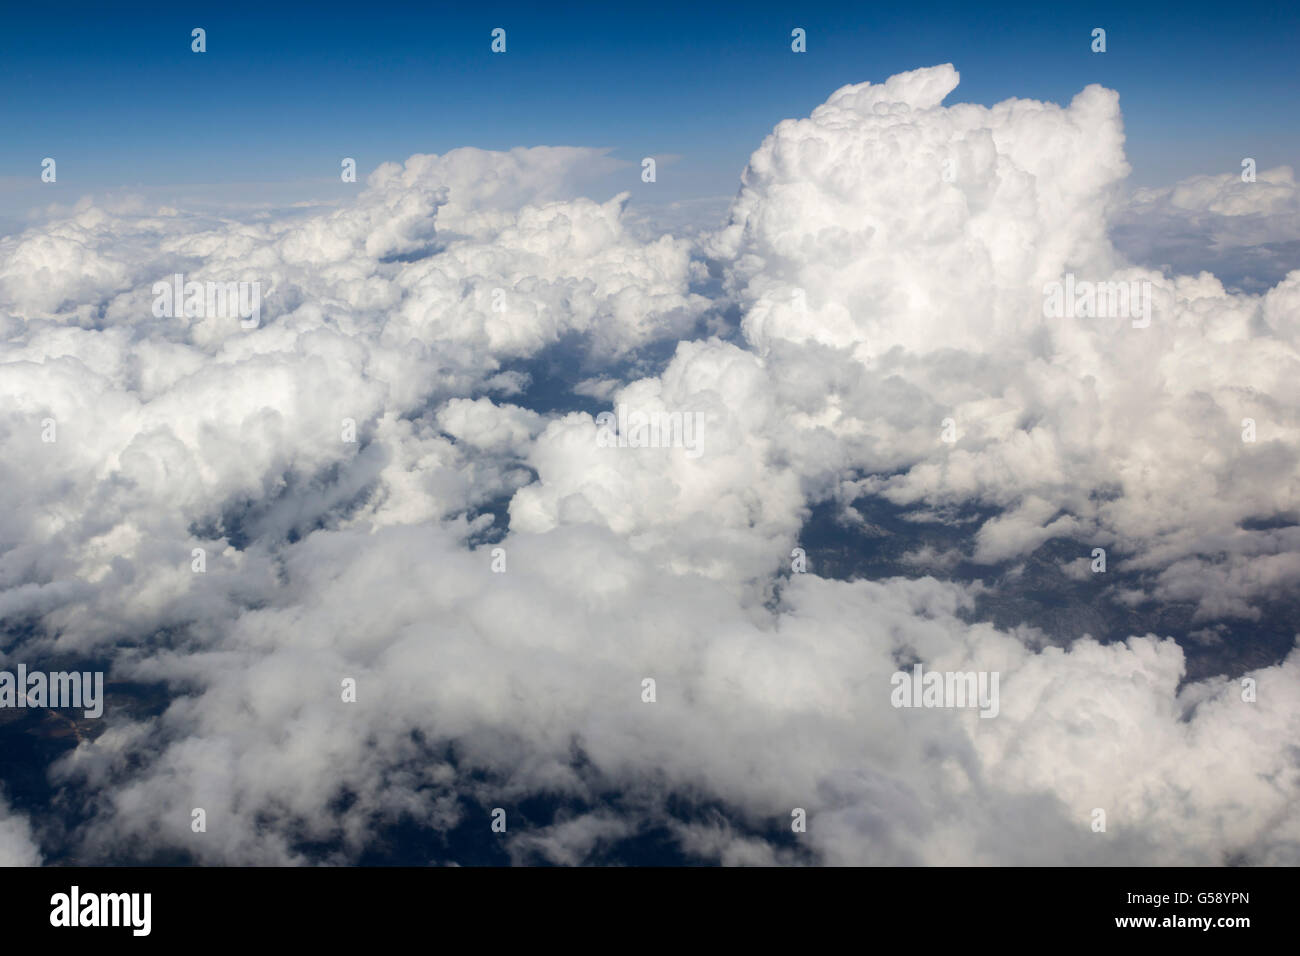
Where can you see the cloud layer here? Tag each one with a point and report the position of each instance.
(886, 260)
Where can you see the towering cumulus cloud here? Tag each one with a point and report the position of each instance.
(385, 585)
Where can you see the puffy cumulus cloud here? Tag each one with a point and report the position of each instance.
(709, 495)
(885, 219)
(534, 677)
(484, 424)
(176, 433)
(556, 269)
(485, 189)
(911, 246)
(1246, 232)
(888, 256)
(75, 262)
(1228, 195)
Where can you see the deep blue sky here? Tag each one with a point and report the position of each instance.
(112, 91)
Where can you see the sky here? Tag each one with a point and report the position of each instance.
(115, 95)
(499, 486)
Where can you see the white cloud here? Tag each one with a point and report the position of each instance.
(878, 298)
(1247, 233)
(17, 847)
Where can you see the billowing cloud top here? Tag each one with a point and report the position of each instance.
(343, 469)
